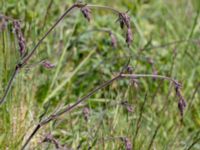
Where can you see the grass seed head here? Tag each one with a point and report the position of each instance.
(129, 36)
(181, 102)
(20, 37)
(86, 12)
(124, 20)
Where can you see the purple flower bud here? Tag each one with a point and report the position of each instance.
(181, 102)
(181, 106)
(124, 19)
(20, 37)
(47, 64)
(86, 12)
(129, 37)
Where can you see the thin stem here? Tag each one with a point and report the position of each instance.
(151, 76)
(54, 116)
(3, 99)
(154, 136)
(67, 109)
(26, 59)
(104, 7)
(31, 136)
(169, 44)
(87, 96)
(192, 145)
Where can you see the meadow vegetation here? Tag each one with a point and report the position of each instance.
(108, 75)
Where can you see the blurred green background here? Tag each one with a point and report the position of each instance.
(166, 42)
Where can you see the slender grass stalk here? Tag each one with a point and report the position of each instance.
(154, 136)
(9, 85)
(26, 58)
(192, 145)
(138, 124)
(54, 116)
(150, 76)
(104, 7)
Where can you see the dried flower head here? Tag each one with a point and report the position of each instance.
(113, 40)
(181, 101)
(124, 20)
(47, 64)
(86, 113)
(86, 12)
(129, 36)
(20, 37)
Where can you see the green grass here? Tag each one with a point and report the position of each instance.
(84, 59)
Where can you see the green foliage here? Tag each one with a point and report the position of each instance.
(84, 59)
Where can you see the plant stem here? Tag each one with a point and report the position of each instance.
(54, 116)
(26, 59)
(104, 7)
(3, 99)
(29, 56)
(67, 109)
(151, 76)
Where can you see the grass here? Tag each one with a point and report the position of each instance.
(166, 40)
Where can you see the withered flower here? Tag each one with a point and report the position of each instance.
(86, 12)
(20, 37)
(124, 19)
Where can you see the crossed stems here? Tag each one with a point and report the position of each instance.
(54, 116)
(66, 109)
(26, 58)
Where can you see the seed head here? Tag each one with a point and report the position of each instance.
(124, 20)
(86, 12)
(20, 37)
(181, 102)
(129, 37)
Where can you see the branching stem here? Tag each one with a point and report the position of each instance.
(54, 116)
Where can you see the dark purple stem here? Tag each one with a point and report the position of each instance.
(3, 99)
